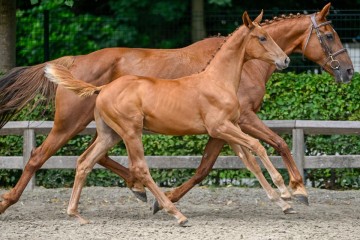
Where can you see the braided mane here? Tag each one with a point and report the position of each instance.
(265, 22)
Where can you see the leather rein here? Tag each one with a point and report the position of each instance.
(334, 64)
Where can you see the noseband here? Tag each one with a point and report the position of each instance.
(334, 64)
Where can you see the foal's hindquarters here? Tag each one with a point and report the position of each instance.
(130, 129)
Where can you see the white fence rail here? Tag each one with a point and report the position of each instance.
(298, 129)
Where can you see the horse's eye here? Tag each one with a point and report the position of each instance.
(262, 39)
(329, 36)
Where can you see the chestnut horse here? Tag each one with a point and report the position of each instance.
(73, 114)
(208, 99)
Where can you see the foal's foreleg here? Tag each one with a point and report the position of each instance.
(252, 125)
(254, 167)
(276, 177)
(233, 135)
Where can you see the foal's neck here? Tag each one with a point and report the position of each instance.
(227, 63)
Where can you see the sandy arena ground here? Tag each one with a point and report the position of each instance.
(214, 213)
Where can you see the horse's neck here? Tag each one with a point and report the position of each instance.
(227, 63)
(288, 33)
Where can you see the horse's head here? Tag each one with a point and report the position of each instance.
(262, 46)
(323, 46)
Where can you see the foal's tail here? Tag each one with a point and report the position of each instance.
(22, 84)
(62, 76)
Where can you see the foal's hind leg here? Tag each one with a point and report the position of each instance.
(106, 139)
(211, 152)
(130, 130)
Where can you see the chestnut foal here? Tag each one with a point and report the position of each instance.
(208, 100)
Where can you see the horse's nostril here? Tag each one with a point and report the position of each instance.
(350, 71)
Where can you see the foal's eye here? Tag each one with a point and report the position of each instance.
(329, 36)
(262, 39)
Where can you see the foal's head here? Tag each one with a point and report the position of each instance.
(262, 46)
(323, 46)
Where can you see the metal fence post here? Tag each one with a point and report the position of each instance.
(28, 145)
(299, 149)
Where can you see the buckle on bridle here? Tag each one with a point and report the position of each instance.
(334, 64)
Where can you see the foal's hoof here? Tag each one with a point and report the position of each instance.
(140, 195)
(156, 207)
(301, 199)
(290, 211)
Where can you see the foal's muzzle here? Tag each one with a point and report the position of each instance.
(282, 64)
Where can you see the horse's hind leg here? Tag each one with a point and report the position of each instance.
(39, 156)
(68, 122)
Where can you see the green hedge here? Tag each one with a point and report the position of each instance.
(289, 96)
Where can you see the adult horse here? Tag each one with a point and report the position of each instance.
(73, 114)
(208, 99)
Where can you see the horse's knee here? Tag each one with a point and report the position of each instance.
(281, 146)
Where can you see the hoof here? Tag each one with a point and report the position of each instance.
(140, 195)
(301, 199)
(156, 207)
(184, 223)
(290, 211)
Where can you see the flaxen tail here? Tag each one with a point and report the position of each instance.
(22, 85)
(62, 76)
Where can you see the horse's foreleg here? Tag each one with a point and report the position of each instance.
(253, 126)
(211, 152)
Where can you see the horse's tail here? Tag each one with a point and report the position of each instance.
(22, 84)
(62, 76)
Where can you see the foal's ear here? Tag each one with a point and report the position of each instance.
(259, 18)
(325, 11)
(247, 21)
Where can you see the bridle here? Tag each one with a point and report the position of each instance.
(334, 64)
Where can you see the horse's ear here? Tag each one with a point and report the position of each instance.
(247, 21)
(259, 18)
(325, 11)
